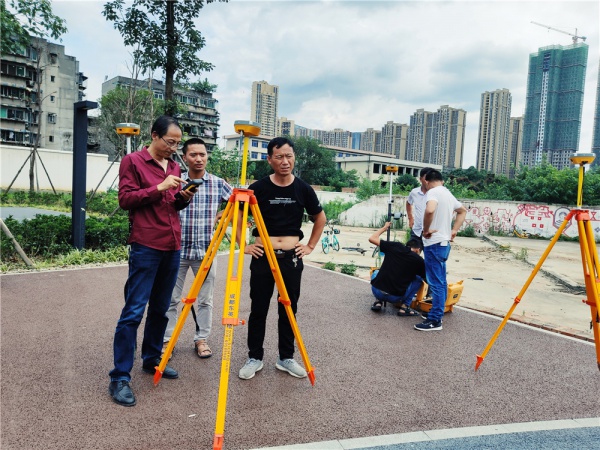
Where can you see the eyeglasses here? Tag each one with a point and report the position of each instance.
(173, 144)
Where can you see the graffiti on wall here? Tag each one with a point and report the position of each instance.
(524, 218)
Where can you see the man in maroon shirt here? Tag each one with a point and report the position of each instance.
(148, 182)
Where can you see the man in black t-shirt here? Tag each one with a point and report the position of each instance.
(401, 274)
(282, 199)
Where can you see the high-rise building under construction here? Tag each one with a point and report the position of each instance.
(555, 87)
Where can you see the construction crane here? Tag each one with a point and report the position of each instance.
(573, 36)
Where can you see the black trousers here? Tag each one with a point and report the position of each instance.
(262, 285)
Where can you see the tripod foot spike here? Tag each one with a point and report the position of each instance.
(218, 442)
(157, 376)
(311, 376)
(479, 361)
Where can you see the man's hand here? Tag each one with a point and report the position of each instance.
(302, 250)
(170, 182)
(256, 250)
(427, 234)
(187, 195)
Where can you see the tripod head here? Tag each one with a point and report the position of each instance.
(581, 159)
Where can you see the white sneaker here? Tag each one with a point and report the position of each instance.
(292, 367)
(250, 368)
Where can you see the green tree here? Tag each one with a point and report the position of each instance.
(127, 105)
(26, 18)
(226, 165)
(406, 182)
(314, 163)
(166, 36)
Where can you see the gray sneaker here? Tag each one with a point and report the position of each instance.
(292, 367)
(250, 368)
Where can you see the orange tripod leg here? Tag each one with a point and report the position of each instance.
(230, 309)
(189, 300)
(591, 273)
(284, 298)
(518, 298)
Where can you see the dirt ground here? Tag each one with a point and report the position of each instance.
(494, 271)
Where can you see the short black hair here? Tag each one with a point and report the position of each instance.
(192, 141)
(424, 171)
(414, 243)
(162, 123)
(434, 175)
(278, 142)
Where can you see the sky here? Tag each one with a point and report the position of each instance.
(358, 64)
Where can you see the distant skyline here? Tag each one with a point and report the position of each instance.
(358, 64)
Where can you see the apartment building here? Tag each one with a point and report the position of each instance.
(394, 139)
(437, 138)
(554, 104)
(494, 127)
(38, 89)
(264, 107)
(201, 118)
(596, 135)
(515, 144)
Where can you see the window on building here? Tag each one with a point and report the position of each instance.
(376, 168)
(265, 145)
(52, 78)
(51, 118)
(51, 138)
(52, 98)
(254, 155)
(263, 156)
(254, 143)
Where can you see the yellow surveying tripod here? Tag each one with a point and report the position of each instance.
(589, 259)
(240, 198)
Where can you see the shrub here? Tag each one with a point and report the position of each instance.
(468, 231)
(348, 269)
(334, 208)
(329, 265)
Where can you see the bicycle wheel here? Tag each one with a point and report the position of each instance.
(325, 244)
(336, 244)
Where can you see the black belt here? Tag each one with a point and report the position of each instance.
(280, 254)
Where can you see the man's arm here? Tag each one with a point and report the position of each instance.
(428, 218)
(409, 214)
(319, 224)
(461, 213)
(374, 239)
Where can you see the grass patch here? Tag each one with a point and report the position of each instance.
(329, 265)
(348, 269)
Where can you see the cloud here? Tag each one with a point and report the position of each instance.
(358, 64)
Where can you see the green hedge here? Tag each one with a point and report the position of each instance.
(49, 236)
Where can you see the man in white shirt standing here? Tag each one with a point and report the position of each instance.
(438, 232)
(415, 207)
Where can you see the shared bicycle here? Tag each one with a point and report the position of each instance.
(330, 240)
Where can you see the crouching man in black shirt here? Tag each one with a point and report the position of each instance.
(401, 274)
(282, 199)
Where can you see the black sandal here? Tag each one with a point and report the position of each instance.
(376, 306)
(407, 312)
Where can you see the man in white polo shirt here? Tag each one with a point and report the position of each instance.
(438, 232)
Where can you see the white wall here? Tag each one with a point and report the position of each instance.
(59, 165)
(483, 216)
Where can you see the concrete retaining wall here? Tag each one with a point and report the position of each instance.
(59, 165)
(482, 215)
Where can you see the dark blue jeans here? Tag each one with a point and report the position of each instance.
(405, 299)
(436, 256)
(152, 276)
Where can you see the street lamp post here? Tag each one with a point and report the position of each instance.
(80, 138)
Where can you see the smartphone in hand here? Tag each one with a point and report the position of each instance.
(191, 185)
